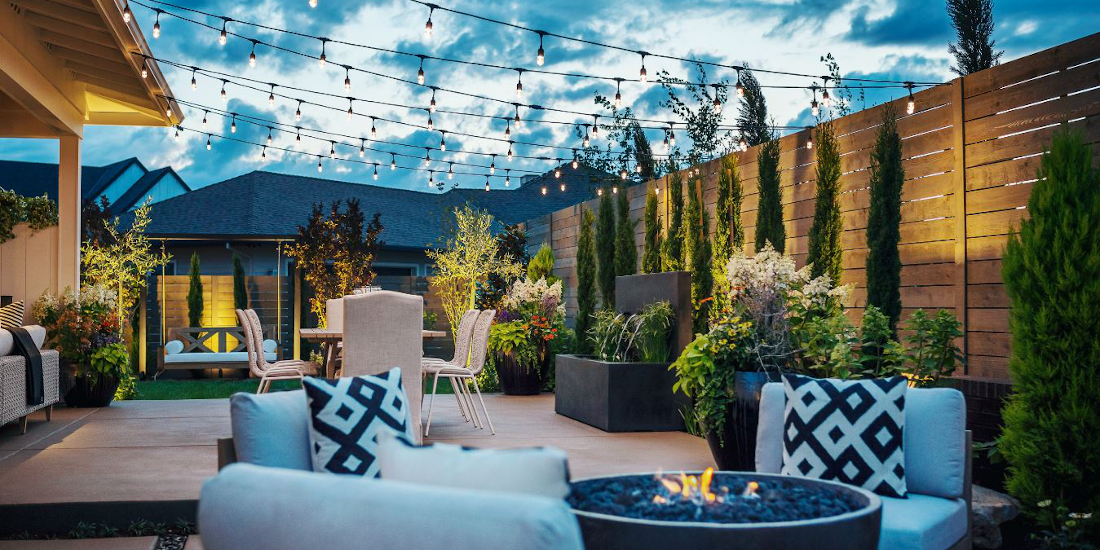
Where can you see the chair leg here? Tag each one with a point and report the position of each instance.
(49, 413)
(470, 402)
(483, 409)
(23, 424)
(263, 382)
(431, 401)
(458, 398)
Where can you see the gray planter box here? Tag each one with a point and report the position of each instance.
(618, 397)
(634, 292)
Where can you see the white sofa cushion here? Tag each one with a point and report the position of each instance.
(216, 357)
(541, 471)
(7, 341)
(921, 522)
(769, 430)
(173, 347)
(248, 507)
(271, 429)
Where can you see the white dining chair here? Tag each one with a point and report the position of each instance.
(479, 349)
(432, 365)
(258, 365)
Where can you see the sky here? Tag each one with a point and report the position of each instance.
(902, 40)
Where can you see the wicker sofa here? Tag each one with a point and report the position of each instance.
(13, 381)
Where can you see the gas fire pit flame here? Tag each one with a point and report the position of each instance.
(691, 488)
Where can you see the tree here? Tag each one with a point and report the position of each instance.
(672, 253)
(335, 252)
(95, 217)
(973, 22)
(752, 112)
(825, 253)
(586, 279)
(698, 255)
(467, 257)
(643, 153)
(651, 256)
(703, 122)
(512, 241)
(729, 235)
(884, 221)
(1049, 268)
(122, 260)
(541, 265)
(194, 293)
(240, 292)
(605, 251)
(769, 215)
(626, 252)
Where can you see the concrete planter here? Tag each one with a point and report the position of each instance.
(618, 397)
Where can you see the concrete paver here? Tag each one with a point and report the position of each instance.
(122, 543)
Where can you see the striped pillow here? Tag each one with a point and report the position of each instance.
(11, 315)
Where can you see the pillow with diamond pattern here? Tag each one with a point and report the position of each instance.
(346, 416)
(850, 431)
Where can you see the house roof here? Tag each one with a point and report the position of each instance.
(34, 179)
(269, 205)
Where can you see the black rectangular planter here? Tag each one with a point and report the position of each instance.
(618, 397)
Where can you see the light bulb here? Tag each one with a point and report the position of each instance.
(519, 89)
(557, 173)
(271, 98)
(622, 174)
(427, 159)
(252, 59)
(744, 144)
(431, 105)
(543, 189)
(298, 112)
(393, 163)
(375, 172)
(362, 148)
(321, 58)
(740, 88)
(672, 138)
(373, 130)
(347, 78)
(233, 127)
(516, 120)
(224, 36)
(320, 168)
(313, 3)
(509, 153)
(911, 105)
(127, 15)
(194, 83)
(269, 136)
(657, 191)
(666, 144)
(177, 136)
(207, 143)
(599, 192)
(144, 71)
(717, 105)
(442, 143)
(586, 141)
(595, 128)
(813, 108)
(332, 150)
(540, 57)
(507, 129)
(618, 100)
(428, 25)
(225, 96)
(810, 143)
(575, 164)
(431, 125)
(825, 97)
(204, 120)
(420, 72)
(350, 113)
(614, 188)
(486, 184)
(493, 166)
(156, 26)
(451, 171)
(263, 154)
(637, 168)
(507, 181)
(562, 186)
(298, 135)
(642, 74)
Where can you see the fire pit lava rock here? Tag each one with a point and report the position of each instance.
(724, 510)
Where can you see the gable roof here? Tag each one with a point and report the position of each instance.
(269, 205)
(141, 188)
(34, 179)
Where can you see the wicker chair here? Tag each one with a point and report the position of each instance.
(291, 369)
(432, 365)
(479, 343)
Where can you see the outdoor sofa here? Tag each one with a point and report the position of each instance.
(194, 348)
(13, 380)
(935, 515)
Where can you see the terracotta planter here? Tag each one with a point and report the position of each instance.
(517, 379)
(736, 449)
(92, 391)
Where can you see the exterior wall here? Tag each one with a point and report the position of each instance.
(970, 156)
(167, 187)
(28, 266)
(122, 183)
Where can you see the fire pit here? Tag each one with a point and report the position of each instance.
(724, 510)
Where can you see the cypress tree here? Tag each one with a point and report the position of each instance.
(884, 221)
(194, 293)
(827, 225)
(697, 246)
(672, 253)
(651, 257)
(240, 292)
(752, 113)
(586, 278)
(1050, 269)
(626, 252)
(769, 215)
(729, 235)
(973, 22)
(605, 251)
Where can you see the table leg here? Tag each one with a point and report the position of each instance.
(330, 359)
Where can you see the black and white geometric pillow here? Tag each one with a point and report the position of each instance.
(848, 431)
(347, 414)
(11, 315)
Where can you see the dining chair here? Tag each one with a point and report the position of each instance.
(258, 365)
(463, 375)
(431, 365)
(334, 320)
(382, 330)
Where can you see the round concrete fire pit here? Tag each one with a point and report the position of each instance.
(724, 510)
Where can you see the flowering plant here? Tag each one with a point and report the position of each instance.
(83, 327)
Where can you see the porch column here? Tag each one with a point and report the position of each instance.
(68, 214)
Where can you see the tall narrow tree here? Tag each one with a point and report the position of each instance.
(240, 291)
(605, 250)
(974, 46)
(827, 225)
(769, 215)
(194, 293)
(643, 153)
(626, 252)
(752, 112)
(1049, 269)
(728, 233)
(672, 253)
(651, 256)
(586, 278)
(698, 256)
(884, 220)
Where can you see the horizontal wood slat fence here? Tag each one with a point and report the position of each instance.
(971, 150)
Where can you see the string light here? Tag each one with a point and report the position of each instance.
(743, 144)
(442, 140)
(225, 96)
(321, 59)
(332, 150)
(599, 192)
(298, 112)
(431, 179)
(320, 168)
(666, 143)
(519, 83)
(516, 119)
(376, 171)
(252, 56)
(127, 15)
(586, 141)
(576, 163)
(428, 25)
(717, 101)
(810, 138)
(642, 76)
(507, 128)
(825, 91)
(622, 174)
(618, 94)
(614, 189)
(362, 148)
(493, 164)
(813, 103)
(393, 162)
(420, 73)
(208, 142)
(657, 190)
(740, 87)
(313, 3)
(540, 58)
(351, 113)
(271, 97)
(509, 151)
(177, 136)
(204, 113)
(144, 70)
(507, 178)
(562, 187)
(557, 171)
(431, 125)
(595, 126)
(233, 127)
(373, 130)
(298, 134)
(269, 135)
(543, 189)
(911, 105)
(451, 171)
(431, 105)
(486, 183)
(427, 157)
(156, 25)
(224, 36)
(671, 135)
(347, 78)
(637, 168)
(194, 83)
(263, 153)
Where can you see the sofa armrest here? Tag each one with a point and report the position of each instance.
(227, 453)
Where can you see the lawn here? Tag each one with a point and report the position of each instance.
(215, 389)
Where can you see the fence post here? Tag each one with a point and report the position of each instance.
(958, 203)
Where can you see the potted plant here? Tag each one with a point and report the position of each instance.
(84, 328)
(522, 343)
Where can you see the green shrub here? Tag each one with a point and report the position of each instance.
(884, 221)
(672, 249)
(651, 256)
(769, 216)
(642, 336)
(605, 251)
(194, 293)
(824, 253)
(697, 248)
(932, 354)
(1050, 267)
(626, 252)
(586, 279)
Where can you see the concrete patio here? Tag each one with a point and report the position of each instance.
(148, 459)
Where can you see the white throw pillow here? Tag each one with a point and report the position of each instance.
(542, 471)
(7, 341)
(173, 347)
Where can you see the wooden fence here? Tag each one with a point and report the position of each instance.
(971, 150)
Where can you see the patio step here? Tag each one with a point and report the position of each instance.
(123, 543)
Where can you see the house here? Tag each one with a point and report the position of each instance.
(125, 184)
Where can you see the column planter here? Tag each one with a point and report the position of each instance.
(96, 390)
(736, 449)
(618, 397)
(516, 379)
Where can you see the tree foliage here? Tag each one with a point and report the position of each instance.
(541, 265)
(672, 249)
(729, 234)
(194, 293)
(643, 153)
(769, 216)
(752, 112)
(626, 252)
(825, 252)
(605, 250)
(586, 278)
(1050, 269)
(884, 221)
(240, 291)
(698, 256)
(122, 260)
(974, 45)
(620, 141)
(335, 252)
(511, 241)
(651, 255)
(696, 111)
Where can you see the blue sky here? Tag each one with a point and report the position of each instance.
(895, 39)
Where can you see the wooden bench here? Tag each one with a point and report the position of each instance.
(198, 348)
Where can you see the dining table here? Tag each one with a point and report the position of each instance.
(330, 338)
